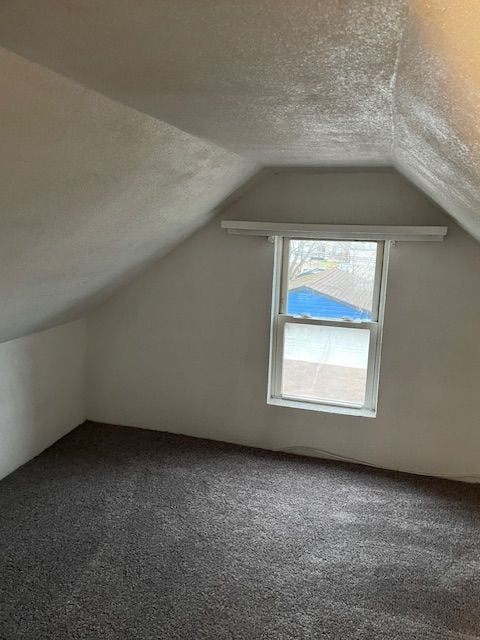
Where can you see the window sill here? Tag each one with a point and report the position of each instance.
(325, 408)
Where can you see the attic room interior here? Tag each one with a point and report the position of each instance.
(239, 353)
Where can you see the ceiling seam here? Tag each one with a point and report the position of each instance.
(393, 85)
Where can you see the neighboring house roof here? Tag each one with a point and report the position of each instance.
(340, 285)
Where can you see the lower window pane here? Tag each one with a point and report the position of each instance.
(325, 364)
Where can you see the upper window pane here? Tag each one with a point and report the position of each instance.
(331, 279)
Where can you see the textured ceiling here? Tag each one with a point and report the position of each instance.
(437, 105)
(90, 191)
(92, 187)
(279, 81)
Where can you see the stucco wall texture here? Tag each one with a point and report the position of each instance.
(95, 184)
(91, 191)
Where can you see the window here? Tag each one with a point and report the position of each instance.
(327, 310)
(327, 317)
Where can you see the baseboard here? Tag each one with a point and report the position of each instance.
(313, 452)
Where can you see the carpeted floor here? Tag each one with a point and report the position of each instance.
(123, 533)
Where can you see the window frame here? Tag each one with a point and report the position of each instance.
(279, 318)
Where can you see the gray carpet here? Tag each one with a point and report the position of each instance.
(123, 533)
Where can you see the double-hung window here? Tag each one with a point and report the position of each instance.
(327, 320)
(328, 303)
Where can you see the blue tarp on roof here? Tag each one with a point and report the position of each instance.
(306, 302)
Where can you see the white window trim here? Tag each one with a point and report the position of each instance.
(279, 318)
(335, 231)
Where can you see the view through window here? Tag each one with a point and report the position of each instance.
(326, 324)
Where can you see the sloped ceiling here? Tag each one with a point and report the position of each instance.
(90, 190)
(437, 105)
(94, 186)
(279, 81)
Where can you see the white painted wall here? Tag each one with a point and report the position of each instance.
(184, 347)
(42, 391)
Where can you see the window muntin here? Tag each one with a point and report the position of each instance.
(325, 347)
